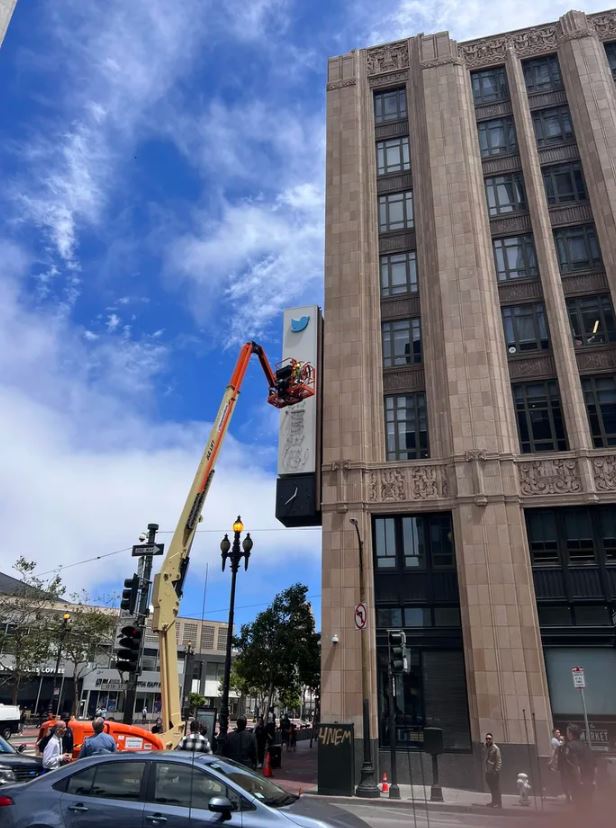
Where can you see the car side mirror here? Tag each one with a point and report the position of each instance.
(21, 748)
(221, 805)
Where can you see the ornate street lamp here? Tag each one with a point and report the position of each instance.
(234, 554)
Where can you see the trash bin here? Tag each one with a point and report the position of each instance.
(275, 752)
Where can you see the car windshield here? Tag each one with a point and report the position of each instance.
(262, 789)
(5, 747)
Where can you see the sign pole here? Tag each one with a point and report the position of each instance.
(585, 717)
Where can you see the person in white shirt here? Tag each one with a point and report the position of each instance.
(53, 755)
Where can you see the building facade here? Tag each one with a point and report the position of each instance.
(469, 385)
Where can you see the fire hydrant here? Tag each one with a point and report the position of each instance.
(524, 788)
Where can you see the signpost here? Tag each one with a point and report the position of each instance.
(579, 682)
(141, 549)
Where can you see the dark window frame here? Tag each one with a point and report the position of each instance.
(386, 200)
(485, 129)
(532, 69)
(399, 111)
(503, 245)
(482, 78)
(387, 262)
(553, 114)
(396, 523)
(416, 403)
(513, 317)
(391, 334)
(578, 307)
(596, 409)
(566, 237)
(525, 405)
(610, 53)
(404, 158)
(571, 173)
(497, 186)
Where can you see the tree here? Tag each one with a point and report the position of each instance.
(27, 634)
(278, 653)
(195, 700)
(90, 631)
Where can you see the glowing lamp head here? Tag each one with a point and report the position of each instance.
(66, 616)
(238, 526)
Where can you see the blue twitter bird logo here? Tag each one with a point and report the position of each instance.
(298, 325)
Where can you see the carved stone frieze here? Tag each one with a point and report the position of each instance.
(388, 79)
(442, 61)
(403, 379)
(604, 471)
(340, 84)
(538, 366)
(573, 214)
(505, 163)
(546, 477)
(604, 24)
(393, 244)
(512, 292)
(554, 155)
(388, 58)
(409, 483)
(492, 50)
(584, 283)
(603, 359)
(495, 110)
(510, 224)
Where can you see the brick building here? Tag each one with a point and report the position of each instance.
(469, 384)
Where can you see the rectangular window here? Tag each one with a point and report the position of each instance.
(392, 156)
(399, 273)
(592, 615)
(610, 51)
(406, 425)
(385, 543)
(579, 543)
(389, 106)
(515, 258)
(413, 543)
(396, 211)
(401, 342)
(447, 617)
(542, 74)
(591, 319)
(600, 399)
(417, 617)
(490, 85)
(564, 183)
(607, 532)
(505, 194)
(553, 125)
(525, 327)
(497, 136)
(389, 617)
(539, 416)
(542, 537)
(554, 616)
(577, 248)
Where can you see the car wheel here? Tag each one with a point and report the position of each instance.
(6, 733)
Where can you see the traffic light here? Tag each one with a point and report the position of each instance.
(129, 649)
(130, 594)
(396, 640)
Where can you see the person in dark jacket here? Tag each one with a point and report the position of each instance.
(579, 767)
(261, 739)
(67, 740)
(241, 746)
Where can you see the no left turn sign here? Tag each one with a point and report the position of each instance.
(361, 616)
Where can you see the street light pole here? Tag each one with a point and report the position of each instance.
(234, 554)
(367, 787)
(56, 690)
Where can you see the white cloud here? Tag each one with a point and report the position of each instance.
(83, 470)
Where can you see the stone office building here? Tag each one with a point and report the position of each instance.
(469, 384)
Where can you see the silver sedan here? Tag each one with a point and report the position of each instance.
(166, 789)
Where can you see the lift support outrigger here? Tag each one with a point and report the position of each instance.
(291, 383)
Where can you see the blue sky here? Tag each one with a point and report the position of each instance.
(161, 185)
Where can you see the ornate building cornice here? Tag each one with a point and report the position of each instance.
(388, 58)
(341, 84)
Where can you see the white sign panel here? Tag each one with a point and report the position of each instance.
(297, 443)
(361, 616)
(579, 680)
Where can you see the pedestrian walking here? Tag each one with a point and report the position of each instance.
(579, 768)
(292, 737)
(261, 738)
(285, 729)
(144, 714)
(99, 743)
(241, 745)
(194, 740)
(493, 765)
(54, 755)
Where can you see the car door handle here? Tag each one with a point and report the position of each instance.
(78, 809)
(156, 818)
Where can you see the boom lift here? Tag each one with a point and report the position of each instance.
(291, 383)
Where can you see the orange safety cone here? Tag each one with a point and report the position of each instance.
(267, 766)
(384, 786)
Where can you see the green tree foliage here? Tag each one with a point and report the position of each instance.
(278, 653)
(195, 700)
(28, 630)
